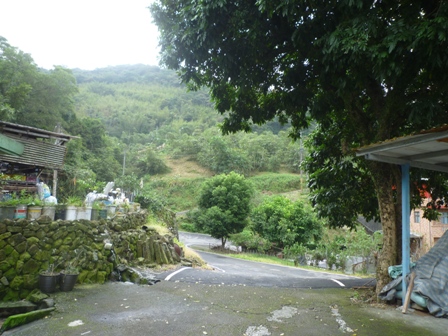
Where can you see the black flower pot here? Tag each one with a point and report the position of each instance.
(67, 282)
(48, 282)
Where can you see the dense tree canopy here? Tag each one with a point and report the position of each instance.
(285, 223)
(33, 97)
(224, 205)
(366, 71)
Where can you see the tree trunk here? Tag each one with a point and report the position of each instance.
(384, 180)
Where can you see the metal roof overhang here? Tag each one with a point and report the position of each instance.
(427, 150)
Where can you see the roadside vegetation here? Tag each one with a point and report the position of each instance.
(140, 128)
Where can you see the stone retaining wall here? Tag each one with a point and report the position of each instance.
(94, 247)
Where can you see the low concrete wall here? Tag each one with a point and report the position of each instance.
(94, 247)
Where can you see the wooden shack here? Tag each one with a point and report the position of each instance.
(26, 152)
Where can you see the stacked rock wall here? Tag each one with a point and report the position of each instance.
(94, 247)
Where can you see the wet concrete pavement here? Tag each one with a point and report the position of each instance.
(175, 308)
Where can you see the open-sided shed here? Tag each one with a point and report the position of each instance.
(428, 150)
(27, 151)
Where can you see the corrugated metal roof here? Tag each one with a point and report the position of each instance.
(37, 153)
(427, 149)
(42, 148)
(33, 132)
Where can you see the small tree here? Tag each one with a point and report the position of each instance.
(286, 223)
(224, 205)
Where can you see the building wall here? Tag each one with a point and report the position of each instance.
(430, 231)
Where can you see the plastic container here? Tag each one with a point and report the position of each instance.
(7, 212)
(20, 211)
(34, 212)
(70, 212)
(49, 211)
(84, 213)
(111, 210)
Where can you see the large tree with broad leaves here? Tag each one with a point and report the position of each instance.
(365, 71)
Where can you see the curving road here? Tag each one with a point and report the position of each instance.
(230, 271)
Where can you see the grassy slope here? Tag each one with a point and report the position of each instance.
(181, 186)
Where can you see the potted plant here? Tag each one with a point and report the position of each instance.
(49, 209)
(8, 207)
(69, 275)
(34, 208)
(72, 204)
(98, 210)
(68, 278)
(22, 202)
(49, 279)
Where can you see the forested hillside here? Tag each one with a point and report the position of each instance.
(137, 125)
(154, 123)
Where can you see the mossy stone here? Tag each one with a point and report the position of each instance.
(101, 277)
(5, 235)
(21, 319)
(40, 234)
(8, 250)
(65, 248)
(33, 249)
(42, 255)
(20, 248)
(4, 266)
(32, 240)
(10, 274)
(30, 281)
(15, 229)
(60, 234)
(71, 228)
(25, 256)
(54, 226)
(16, 283)
(19, 266)
(57, 243)
(83, 276)
(36, 296)
(67, 240)
(16, 239)
(31, 267)
(10, 295)
(23, 294)
(91, 276)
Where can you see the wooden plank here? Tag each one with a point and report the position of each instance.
(408, 293)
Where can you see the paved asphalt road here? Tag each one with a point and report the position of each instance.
(186, 305)
(231, 271)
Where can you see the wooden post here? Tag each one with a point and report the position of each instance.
(55, 182)
(408, 293)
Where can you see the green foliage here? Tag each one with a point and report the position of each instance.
(176, 193)
(250, 240)
(224, 205)
(151, 164)
(364, 71)
(285, 223)
(276, 183)
(17, 71)
(189, 227)
(129, 183)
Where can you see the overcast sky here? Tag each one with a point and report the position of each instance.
(85, 34)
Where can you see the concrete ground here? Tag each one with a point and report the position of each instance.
(174, 308)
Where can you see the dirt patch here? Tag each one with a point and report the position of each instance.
(185, 167)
